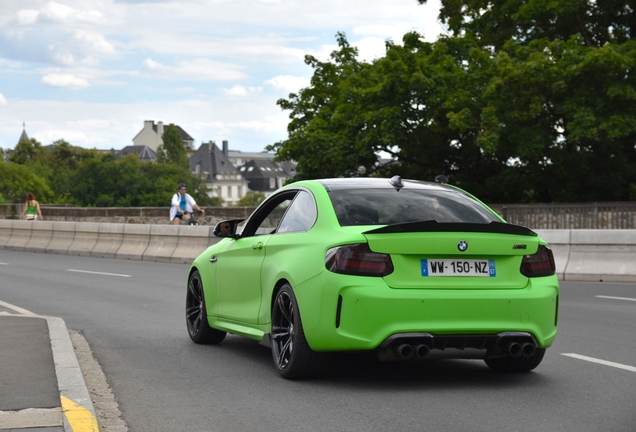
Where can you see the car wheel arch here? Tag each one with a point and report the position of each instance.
(277, 288)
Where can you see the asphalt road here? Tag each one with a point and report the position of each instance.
(132, 314)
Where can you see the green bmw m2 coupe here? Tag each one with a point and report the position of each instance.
(410, 270)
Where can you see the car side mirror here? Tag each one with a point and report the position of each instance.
(227, 228)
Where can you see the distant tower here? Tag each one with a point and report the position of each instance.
(24, 135)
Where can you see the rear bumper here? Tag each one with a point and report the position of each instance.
(342, 313)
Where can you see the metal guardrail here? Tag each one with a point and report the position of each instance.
(604, 215)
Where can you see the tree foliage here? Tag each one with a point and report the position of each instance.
(62, 173)
(25, 151)
(172, 150)
(17, 180)
(527, 101)
(251, 199)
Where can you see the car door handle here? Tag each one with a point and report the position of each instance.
(257, 246)
(213, 259)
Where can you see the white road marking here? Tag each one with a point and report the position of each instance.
(616, 298)
(4, 263)
(99, 273)
(599, 361)
(17, 309)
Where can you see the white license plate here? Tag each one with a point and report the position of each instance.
(467, 267)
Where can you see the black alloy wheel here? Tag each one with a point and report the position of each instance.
(292, 355)
(196, 316)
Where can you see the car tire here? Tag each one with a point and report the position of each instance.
(196, 314)
(291, 353)
(516, 364)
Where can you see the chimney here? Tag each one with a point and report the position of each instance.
(225, 150)
(160, 128)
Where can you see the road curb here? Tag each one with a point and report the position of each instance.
(77, 406)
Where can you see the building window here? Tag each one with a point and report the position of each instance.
(229, 191)
(272, 183)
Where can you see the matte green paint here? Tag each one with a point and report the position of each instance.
(374, 308)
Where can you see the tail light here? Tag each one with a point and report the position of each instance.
(539, 264)
(358, 260)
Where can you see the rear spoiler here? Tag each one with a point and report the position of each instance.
(434, 226)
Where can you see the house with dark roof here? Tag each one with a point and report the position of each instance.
(152, 136)
(222, 178)
(145, 153)
(240, 158)
(264, 176)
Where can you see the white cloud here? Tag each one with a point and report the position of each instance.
(27, 17)
(94, 42)
(56, 33)
(288, 83)
(239, 90)
(70, 135)
(3, 100)
(370, 48)
(59, 13)
(65, 81)
(196, 69)
(215, 67)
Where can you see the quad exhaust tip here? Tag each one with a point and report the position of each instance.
(515, 349)
(405, 351)
(421, 346)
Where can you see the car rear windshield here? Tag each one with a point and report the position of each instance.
(388, 207)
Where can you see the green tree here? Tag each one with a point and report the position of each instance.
(17, 180)
(251, 199)
(527, 101)
(320, 139)
(26, 151)
(128, 182)
(172, 150)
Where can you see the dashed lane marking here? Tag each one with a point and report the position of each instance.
(616, 298)
(599, 361)
(99, 273)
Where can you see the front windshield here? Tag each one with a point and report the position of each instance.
(388, 207)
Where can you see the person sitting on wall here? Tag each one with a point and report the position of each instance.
(32, 208)
(182, 206)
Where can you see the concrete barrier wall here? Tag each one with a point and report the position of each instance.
(135, 242)
(20, 235)
(62, 238)
(109, 239)
(41, 234)
(163, 242)
(580, 255)
(84, 240)
(593, 255)
(5, 231)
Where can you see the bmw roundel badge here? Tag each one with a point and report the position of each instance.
(462, 246)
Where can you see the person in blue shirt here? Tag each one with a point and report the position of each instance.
(182, 206)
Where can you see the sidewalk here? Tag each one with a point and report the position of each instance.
(42, 388)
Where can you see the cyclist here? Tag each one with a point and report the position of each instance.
(441, 179)
(182, 206)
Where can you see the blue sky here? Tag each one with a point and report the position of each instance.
(91, 72)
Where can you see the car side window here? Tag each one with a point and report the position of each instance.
(301, 215)
(268, 217)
